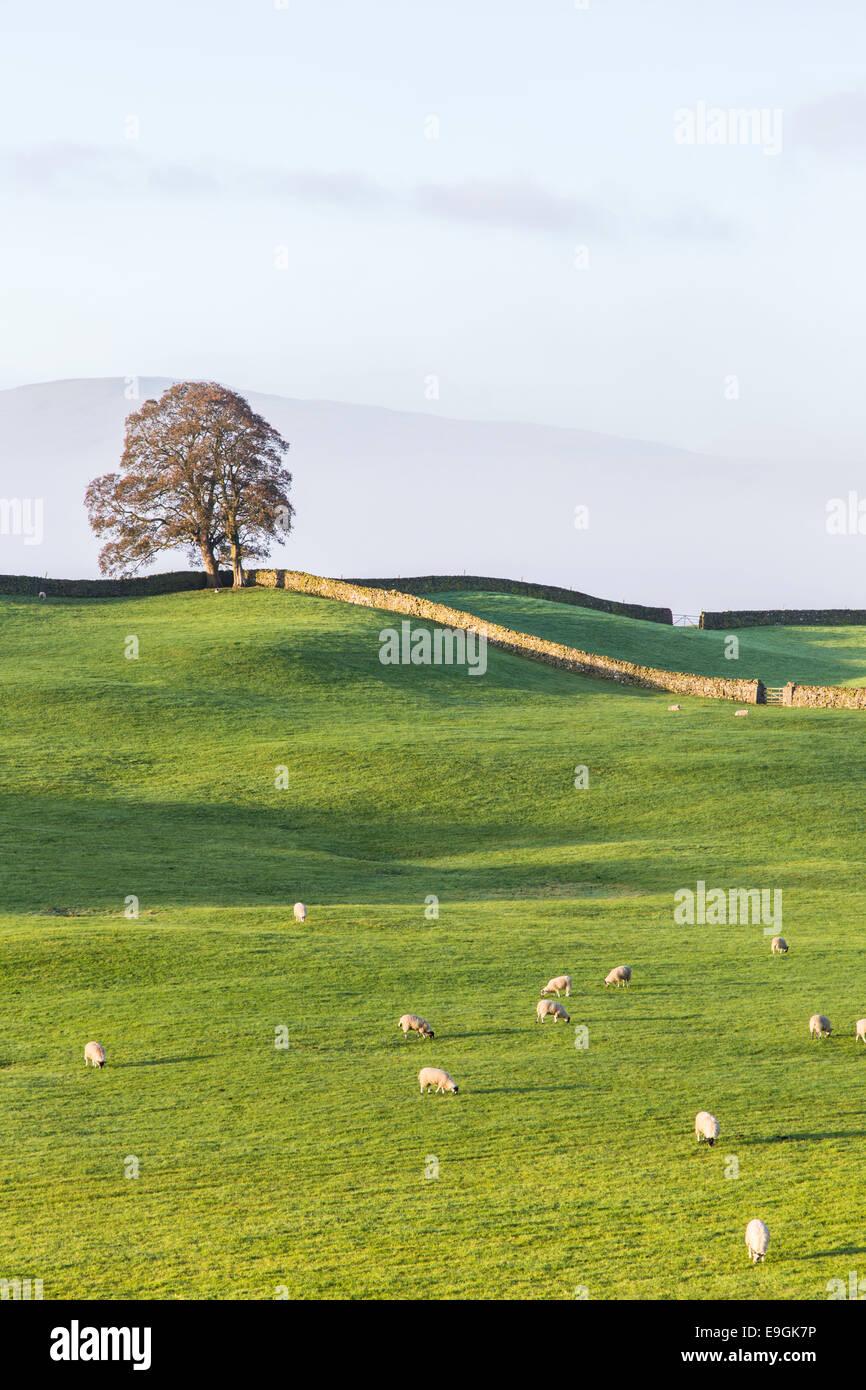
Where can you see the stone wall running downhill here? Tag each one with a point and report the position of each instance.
(784, 617)
(825, 696)
(520, 643)
(444, 583)
(412, 604)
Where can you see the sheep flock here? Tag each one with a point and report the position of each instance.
(707, 1127)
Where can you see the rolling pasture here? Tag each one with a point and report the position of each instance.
(807, 655)
(308, 1169)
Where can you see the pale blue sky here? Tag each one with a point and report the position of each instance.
(304, 127)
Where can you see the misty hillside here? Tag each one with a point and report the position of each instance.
(381, 492)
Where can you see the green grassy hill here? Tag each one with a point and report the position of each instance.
(304, 1168)
(807, 655)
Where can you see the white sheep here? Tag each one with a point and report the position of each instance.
(860, 1030)
(300, 912)
(757, 1239)
(671, 708)
(738, 714)
(706, 1127)
(556, 984)
(620, 975)
(42, 594)
(819, 1026)
(550, 1006)
(435, 1076)
(778, 945)
(411, 1023)
(94, 1052)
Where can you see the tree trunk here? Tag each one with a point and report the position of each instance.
(240, 578)
(210, 564)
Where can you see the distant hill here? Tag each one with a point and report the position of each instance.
(385, 492)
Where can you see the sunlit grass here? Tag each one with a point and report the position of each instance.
(304, 1168)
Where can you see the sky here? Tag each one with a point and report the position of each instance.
(478, 209)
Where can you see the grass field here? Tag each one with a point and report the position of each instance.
(303, 1169)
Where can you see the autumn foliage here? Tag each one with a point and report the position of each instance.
(200, 472)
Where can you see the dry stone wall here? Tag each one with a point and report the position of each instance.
(176, 582)
(552, 593)
(784, 617)
(825, 696)
(520, 643)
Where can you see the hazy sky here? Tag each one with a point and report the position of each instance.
(250, 192)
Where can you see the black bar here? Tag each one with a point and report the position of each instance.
(223, 1339)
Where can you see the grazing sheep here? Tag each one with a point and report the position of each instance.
(619, 976)
(780, 945)
(411, 1023)
(42, 594)
(819, 1026)
(550, 1006)
(94, 1052)
(739, 713)
(300, 912)
(860, 1031)
(706, 1127)
(556, 984)
(435, 1076)
(757, 1239)
(671, 708)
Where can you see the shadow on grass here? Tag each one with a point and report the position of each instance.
(157, 844)
(165, 1061)
(795, 1138)
(482, 1033)
(840, 1250)
(518, 1090)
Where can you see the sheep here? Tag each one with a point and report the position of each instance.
(42, 594)
(757, 1240)
(556, 984)
(780, 945)
(819, 1026)
(550, 1006)
(706, 1127)
(300, 912)
(411, 1023)
(671, 708)
(860, 1030)
(738, 714)
(435, 1076)
(620, 975)
(94, 1052)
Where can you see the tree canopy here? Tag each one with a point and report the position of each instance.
(200, 472)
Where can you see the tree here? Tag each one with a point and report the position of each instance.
(201, 472)
(251, 484)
